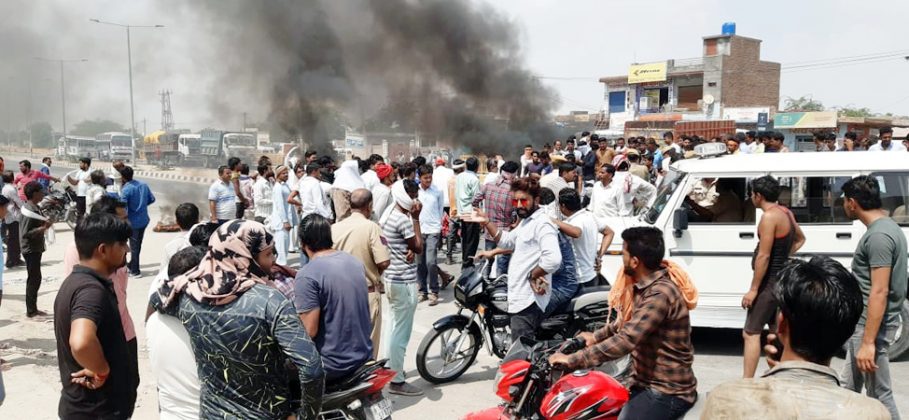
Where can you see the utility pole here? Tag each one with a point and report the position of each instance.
(129, 59)
(62, 84)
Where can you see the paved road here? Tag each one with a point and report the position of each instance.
(32, 378)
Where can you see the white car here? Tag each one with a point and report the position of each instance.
(717, 255)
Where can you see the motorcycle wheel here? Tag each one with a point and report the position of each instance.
(438, 359)
(70, 219)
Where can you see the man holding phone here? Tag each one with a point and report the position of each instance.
(536, 256)
(820, 305)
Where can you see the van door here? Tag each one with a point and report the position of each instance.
(816, 201)
(717, 247)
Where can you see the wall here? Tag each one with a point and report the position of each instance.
(747, 81)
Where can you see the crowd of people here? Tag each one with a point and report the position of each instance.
(234, 330)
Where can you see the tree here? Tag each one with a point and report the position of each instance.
(802, 103)
(43, 135)
(91, 128)
(856, 112)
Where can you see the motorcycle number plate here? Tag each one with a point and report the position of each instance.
(381, 409)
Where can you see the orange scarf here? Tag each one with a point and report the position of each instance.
(621, 297)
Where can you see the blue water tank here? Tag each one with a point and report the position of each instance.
(729, 28)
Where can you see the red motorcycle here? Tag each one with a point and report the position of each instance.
(533, 389)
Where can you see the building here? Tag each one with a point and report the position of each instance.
(799, 127)
(729, 81)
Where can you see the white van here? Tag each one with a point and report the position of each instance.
(717, 255)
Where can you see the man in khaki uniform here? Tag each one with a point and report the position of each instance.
(362, 238)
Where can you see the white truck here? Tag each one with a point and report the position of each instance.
(717, 256)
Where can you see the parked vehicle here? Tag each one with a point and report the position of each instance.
(531, 388)
(717, 255)
(190, 147)
(60, 205)
(453, 344)
(73, 148)
(162, 148)
(120, 145)
(217, 146)
(359, 397)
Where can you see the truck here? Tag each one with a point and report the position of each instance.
(217, 146)
(190, 147)
(161, 148)
(73, 148)
(121, 145)
(655, 129)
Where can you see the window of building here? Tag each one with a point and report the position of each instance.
(710, 47)
(689, 95)
(720, 201)
(654, 99)
(617, 101)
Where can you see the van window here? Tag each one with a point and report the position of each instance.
(720, 201)
(815, 200)
(894, 194)
(664, 192)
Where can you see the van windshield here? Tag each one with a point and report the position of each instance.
(670, 182)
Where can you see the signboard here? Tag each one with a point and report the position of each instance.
(355, 142)
(805, 120)
(762, 120)
(617, 120)
(744, 115)
(648, 72)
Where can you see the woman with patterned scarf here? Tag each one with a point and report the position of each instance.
(244, 332)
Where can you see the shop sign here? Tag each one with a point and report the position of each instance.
(647, 72)
(805, 120)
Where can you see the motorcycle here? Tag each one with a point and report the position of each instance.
(531, 388)
(60, 206)
(359, 396)
(455, 340)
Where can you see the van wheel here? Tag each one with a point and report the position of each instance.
(901, 341)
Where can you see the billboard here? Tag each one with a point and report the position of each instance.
(647, 72)
(744, 115)
(805, 120)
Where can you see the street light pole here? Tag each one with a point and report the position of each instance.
(62, 85)
(129, 58)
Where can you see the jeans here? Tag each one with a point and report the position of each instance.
(134, 371)
(470, 241)
(526, 322)
(33, 282)
(282, 242)
(135, 248)
(427, 270)
(501, 260)
(565, 279)
(878, 383)
(452, 237)
(80, 207)
(241, 210)
(647, 404)
(402, 304)
(13, 250)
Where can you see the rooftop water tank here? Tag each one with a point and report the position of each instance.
(729, 28)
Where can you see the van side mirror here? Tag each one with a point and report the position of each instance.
(679, 221)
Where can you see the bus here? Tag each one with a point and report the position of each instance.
(121, 145)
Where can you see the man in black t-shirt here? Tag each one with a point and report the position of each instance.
(92, 352)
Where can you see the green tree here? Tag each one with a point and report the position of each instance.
(91, 128)
(802, 103)
(856, 112)
(43, 135)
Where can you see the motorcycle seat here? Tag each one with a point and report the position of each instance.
(588, 298)
(348, 381)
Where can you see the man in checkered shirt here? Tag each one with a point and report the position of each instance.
(658, 335)
(496, 198)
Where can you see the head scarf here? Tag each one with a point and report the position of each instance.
(228, 269)
(383, 170)
(347, 177)
(400, 197)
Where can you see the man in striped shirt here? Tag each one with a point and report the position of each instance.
(401, 230)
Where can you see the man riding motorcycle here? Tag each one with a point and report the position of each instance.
(653, 298)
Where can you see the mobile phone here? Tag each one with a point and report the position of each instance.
(779, 349)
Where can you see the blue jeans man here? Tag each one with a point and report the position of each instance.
(427, 268)
(565, 279)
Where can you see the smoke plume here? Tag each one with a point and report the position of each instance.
(448, 70)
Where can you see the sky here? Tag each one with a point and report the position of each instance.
(579, 40)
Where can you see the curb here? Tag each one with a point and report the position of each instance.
(162, 175)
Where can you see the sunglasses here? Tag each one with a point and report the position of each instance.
(520, 202)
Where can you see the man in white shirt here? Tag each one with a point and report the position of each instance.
(381, 192)
(614, 194)
(526, 159)
(431, 229)
(370, 178)
(492, 171)
(583, 229)
(536, 256)
(570, 150)
(222, 200)
(187, 216)
(80, 179)
(749, 144)
(262, 194)
(886, 143)
(311, 197)
(440, 177)
(565, 177)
